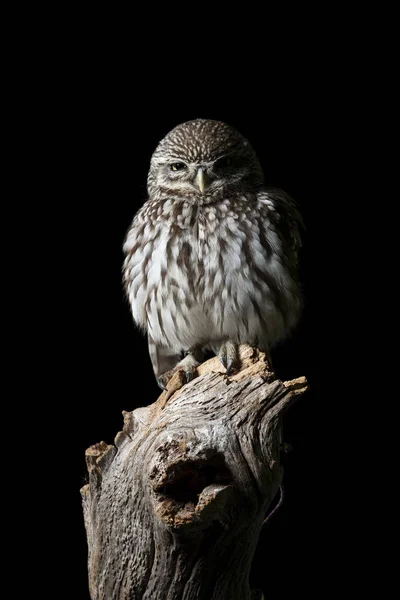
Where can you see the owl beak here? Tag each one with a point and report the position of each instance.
(200, 180)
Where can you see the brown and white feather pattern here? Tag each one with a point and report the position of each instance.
(202, 270)
(195, 276)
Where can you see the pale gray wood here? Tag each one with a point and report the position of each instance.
(174, 509)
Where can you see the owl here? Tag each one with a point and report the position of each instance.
(211, 258)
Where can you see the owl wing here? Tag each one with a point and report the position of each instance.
(163, 359)
(287, 220)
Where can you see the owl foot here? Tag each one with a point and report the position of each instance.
(227, 354)
(188, 365)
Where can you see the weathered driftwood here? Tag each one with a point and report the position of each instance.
(174, 510)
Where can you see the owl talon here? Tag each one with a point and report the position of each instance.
(228, 356)
(187, 366)
(227, 363)
(162, 381)
(228, 366)
(189, 375)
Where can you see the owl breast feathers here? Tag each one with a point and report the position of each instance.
(211, 257)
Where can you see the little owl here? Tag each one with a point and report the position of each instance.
(211, 257)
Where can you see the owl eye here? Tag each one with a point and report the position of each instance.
(224, 162)
(178, 166)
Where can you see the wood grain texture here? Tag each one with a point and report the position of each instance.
(174, 509)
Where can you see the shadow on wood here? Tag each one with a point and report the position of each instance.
(174, 510)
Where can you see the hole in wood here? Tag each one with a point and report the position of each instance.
(186, 480)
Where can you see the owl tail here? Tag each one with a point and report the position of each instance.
(163, 359)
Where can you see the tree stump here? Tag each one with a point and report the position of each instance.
(174, 510)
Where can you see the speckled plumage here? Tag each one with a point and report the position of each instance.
(208, 266)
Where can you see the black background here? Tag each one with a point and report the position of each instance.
(111, 120)
(92, 91)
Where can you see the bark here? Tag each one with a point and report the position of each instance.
(174, 509)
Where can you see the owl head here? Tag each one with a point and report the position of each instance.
(202, 157)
